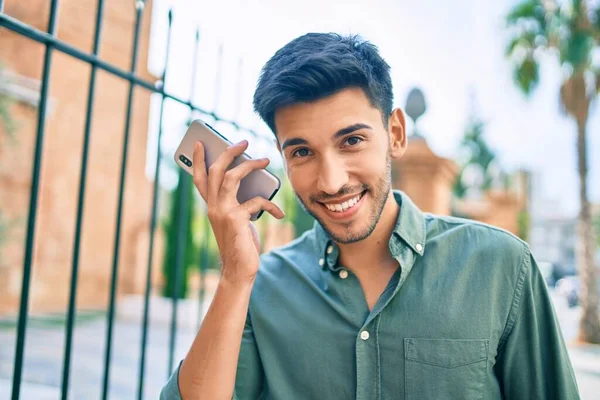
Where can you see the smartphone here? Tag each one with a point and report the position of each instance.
(257, 183)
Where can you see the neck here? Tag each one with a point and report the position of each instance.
(374, 250)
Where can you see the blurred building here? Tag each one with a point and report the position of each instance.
(554, 240)
(428, 179)
(22, 63)
(425, 177)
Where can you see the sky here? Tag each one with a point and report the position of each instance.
(454, 54)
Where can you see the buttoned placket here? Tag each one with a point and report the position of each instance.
(368, 379)
(406, 248)
(368, 376)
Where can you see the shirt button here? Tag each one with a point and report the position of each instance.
(329, 249)
(321, 262)
(343, 274)
(419, 247)
(364, 335)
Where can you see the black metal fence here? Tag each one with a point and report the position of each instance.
(53, 44)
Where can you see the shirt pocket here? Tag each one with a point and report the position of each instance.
(445, 368)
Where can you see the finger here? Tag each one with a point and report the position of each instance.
(233, 177)
(199, 170)
(217, 170)
(258, 203)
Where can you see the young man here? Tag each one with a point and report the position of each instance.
(379, 300)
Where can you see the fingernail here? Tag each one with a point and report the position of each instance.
(242, 143)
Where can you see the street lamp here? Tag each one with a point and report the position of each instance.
(415, 108)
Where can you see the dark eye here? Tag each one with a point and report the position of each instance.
(301, 152)
(353, 140)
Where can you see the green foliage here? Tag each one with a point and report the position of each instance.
(172, 231)
(530, 10)
(576, 50)
(478, 153)
(526, 75)
(524, 224)
(515, 43)
(303, 221)
(571, 29)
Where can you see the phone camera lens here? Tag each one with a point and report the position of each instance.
(185, 160)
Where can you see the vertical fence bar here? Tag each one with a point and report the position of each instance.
(203, 265)
(139, 8)
(194, 72)
(153, 218)
(35, 185)
(180, 249)
(1, 6)
(80, 205)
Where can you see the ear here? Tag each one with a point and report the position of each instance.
(397, 133)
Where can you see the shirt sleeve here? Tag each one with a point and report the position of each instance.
(249, 376)
(532, 360)
(171, 390)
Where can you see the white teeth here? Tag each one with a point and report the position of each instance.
(343, 206)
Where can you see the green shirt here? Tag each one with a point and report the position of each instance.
(466, 316)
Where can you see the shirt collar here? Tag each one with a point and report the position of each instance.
(410, 230)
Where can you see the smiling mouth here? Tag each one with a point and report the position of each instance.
(344, 206)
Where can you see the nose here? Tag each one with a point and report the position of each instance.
(332, 175)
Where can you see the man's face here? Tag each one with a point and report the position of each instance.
(338, 156)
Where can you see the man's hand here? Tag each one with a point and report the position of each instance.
(237, 237)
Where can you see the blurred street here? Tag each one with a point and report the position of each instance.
(585, 358)
(42, 372)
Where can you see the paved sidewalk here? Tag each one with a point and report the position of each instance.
(585, 358)
(586, 362)
(42, 372)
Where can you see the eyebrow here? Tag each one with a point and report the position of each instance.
(342, 132)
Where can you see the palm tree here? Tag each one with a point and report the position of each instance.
(570, 31)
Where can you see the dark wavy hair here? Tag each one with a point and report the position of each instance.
(317, 65)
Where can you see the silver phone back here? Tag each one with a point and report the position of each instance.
(257, 183)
